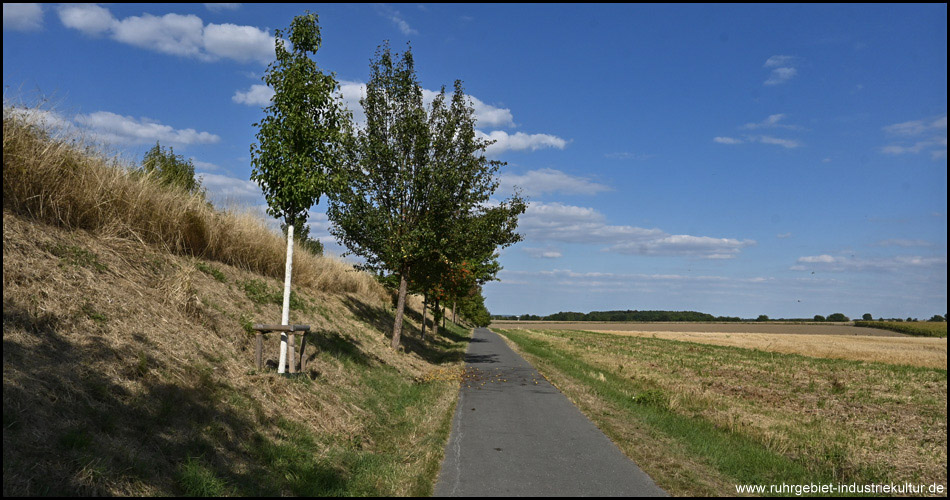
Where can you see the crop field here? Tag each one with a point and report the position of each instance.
(823, 341)
(702, 418)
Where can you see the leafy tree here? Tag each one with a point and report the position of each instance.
(379, 216)
(838, 317)
(171, 169)
(300, 140)
(867, 317)
(819, 317)
(938, 318)
(762, 317)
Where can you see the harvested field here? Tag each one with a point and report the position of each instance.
(782, 328)
(821, 341)
(925, 352)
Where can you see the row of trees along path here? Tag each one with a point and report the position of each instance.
(408, 191)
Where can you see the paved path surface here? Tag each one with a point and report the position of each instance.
(514, 434)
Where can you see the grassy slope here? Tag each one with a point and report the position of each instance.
(128, 367)
(701, 419)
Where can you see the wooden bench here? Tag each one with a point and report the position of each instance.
(291, 330)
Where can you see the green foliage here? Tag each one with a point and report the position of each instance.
(300, 140)
(867, 317)
(762, 317)
(838, 317)
(819, 317)
(170, 169)
(920, 329)
(211, 271)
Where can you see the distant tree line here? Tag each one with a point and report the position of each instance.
(659, 316)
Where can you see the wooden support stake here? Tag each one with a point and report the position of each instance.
(290, 353)
(259, 350)
(303, 354)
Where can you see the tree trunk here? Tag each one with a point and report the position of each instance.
(454, 317)
(400, 307)
(435, 319)
(285, 314)
(425, 299)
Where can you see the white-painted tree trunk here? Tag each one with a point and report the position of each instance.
(285, 314)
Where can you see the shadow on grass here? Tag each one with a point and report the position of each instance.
(82, 417)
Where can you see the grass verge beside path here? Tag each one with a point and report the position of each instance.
(700, 419)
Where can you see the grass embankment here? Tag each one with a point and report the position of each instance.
(128, 359)
(920, 329)
(700, 419)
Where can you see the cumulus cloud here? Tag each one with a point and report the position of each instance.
(229, 191)
(88, 18)
(117, 129)
(176, 34)
(257, 95)
(22, 16)
(547, 180)
(519, 141)
(558, 222)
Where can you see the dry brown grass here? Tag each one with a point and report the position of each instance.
(60, 181)
(123, 359)
(913, 351)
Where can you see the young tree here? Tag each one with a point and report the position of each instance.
(379, 216)
(301, 139)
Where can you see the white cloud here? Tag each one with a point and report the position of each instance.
(228, 191)
(176, 34)
(682, 244)
(22, 16)
(397, 19)
(727, 140)
(572, 224)
(783, 69)
(783, 236)
(519, 141)
(772, 121)
(936, 145)
(88, 18)
(257, 95)
(118, 129)
(855, 264)
(543, 253)
(763, 139)
(785, 143)
(547, 180)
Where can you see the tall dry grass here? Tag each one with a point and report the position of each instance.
(57, 179)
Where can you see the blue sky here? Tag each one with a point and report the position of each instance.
(731, 159)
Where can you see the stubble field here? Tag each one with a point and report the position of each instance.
(822, 341)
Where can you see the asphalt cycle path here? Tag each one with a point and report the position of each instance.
(514, 434)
